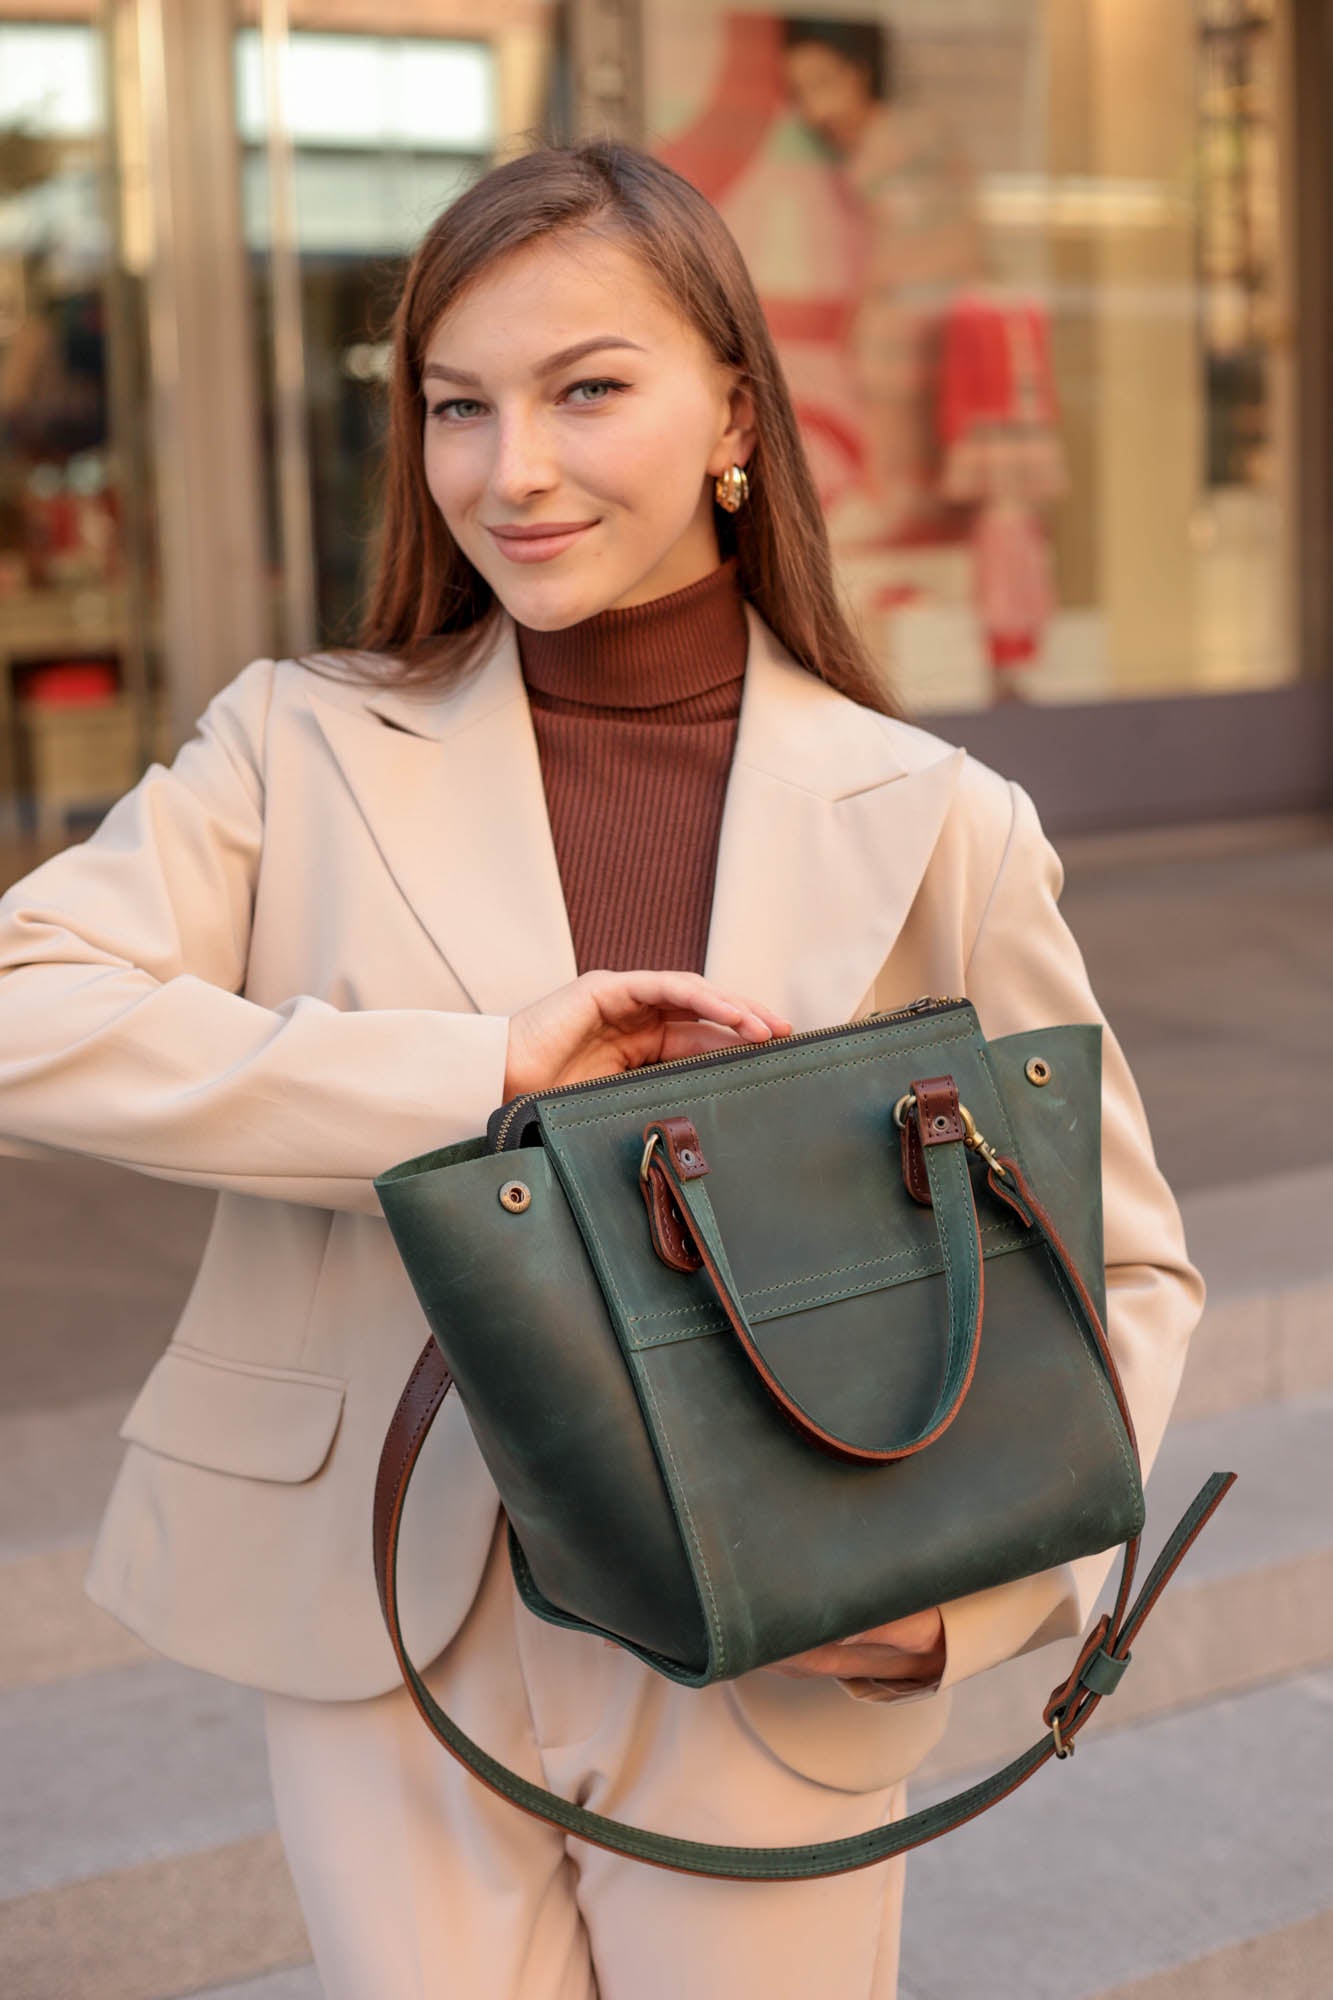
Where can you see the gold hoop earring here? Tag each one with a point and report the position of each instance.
(732, 489)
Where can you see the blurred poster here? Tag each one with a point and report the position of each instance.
(853, 196)
(855, 210)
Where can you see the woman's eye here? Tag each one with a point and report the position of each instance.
(465, 404)
(599, 383)
(460, 409)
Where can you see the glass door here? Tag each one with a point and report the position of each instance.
(356, 126)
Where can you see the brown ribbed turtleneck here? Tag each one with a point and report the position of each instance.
(635, 714)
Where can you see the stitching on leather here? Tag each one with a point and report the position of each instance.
(664, 1432)
(1006, 1231)
(644, 1341)
(564, 1123)
(1006, 1130)
(971, 1303)
(397, 1491)
(933, 1426)
(670, 1234)
(975, 1274)
(969, 1317)
(912, 1155)
(1103, 1386)
(949, 1281)
(641, 1375)
(423, 1423)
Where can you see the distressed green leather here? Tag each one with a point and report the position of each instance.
(656, 1492)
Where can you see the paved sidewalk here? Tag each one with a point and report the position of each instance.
(1211, 952)
(138, 1859)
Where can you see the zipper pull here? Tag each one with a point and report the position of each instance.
(922, 1005)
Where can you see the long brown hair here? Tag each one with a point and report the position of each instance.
(429, 609)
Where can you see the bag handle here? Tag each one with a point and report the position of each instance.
(1096, 1672)
(671, 1177)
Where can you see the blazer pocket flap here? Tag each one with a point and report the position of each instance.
(236, 1416)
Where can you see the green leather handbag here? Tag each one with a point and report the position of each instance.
(768, 1346)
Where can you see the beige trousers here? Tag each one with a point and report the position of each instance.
(419, 1884)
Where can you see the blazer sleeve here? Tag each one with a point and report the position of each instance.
(1025, 971)
(124, 1034)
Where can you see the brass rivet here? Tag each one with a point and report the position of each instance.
(940, 1122)
(515, 1197)
(1037, 1070)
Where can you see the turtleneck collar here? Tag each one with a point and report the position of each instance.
(646, 655)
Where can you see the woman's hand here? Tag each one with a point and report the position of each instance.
(910, 1650)
(606, 1022)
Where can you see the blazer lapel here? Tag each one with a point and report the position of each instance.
(450, 786)
(830, 817)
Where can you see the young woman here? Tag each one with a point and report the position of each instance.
(611, 782)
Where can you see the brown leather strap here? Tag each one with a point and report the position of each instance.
(427, 1386)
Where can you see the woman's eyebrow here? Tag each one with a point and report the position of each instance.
(547, 367)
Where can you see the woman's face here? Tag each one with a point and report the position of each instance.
(615, 447)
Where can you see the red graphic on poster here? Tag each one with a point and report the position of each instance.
(1002, 454)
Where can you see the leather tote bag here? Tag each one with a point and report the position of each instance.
(768, 1346)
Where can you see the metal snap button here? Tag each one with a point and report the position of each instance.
(1037, 1070)
(515, 1197)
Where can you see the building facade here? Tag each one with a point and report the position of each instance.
(1048, 278)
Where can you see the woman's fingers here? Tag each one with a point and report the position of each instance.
(678, 995)
(700, 1038)
(848, 1661)
(920, 1632)
(604, 1022)
(908, 1649)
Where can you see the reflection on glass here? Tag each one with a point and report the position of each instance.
(1024, 271)
(366, 93)
(385, 131)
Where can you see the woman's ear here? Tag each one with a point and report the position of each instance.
(737, 441)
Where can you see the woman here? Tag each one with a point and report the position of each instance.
(603, 726)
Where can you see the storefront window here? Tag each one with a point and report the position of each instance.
(1027, 263)
(75, 720)
(1026, 269)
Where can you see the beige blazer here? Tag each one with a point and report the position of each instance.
(287, 962)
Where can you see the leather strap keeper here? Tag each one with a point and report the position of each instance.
(935, 1121)
(1102, 1672)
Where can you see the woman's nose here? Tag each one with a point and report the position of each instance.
(523, 462)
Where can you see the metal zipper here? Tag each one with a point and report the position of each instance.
(929, 1003)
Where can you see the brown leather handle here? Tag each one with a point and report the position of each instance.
(686, 1236)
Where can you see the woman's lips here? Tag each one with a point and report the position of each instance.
(541, 544)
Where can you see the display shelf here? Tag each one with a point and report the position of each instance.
(57, 760)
